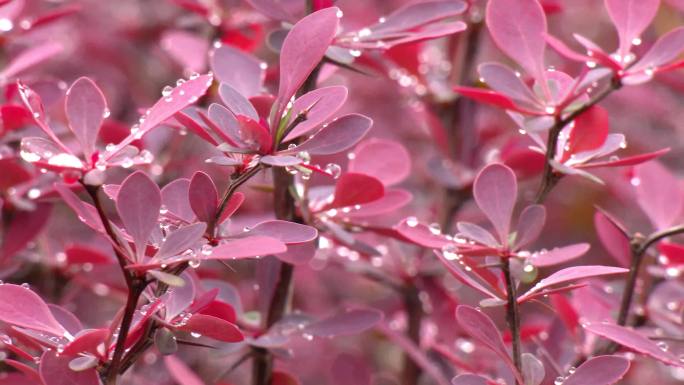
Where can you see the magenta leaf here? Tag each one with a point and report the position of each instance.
(22, 307)
(658, 193)
(601, 370)
(175, 199)
(495, 191)
(30, 57)
(287, 232)
(248, 247)
(411, 16)
(319, 106)
(172, 102)
(633, 340)
(559, 255)
(303, 49)
(631, 17)
(180, 372)
(236, 103)
(212, 327)
(386, 160)
(421, 234)
(530, 224)
(345, 323)
(504, 80)
(280, 160)
(491, 97)
(665, 50)
(476, 233)
(187, 49)
(181, 239)
(203, 197)
(613, 238)
(356, 189)
(138, 204)
(24, 227)
(237, 69)
(518, 28)
(341, 134)
(393, 199)
(571, 274)
(480, 327)
(54, 370)
(85, 107)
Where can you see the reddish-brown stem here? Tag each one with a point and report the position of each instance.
(414, 312)
(512, 313)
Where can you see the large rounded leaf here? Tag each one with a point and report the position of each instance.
(138, 203)
(22, 307)
(85, 107)
(495, 191)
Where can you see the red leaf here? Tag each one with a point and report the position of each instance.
(337, 136)
(85, 107)
(355, 189)
(601, 370)
(589, 132)
(213, 327)
(495, 191)
(138, 203)
(386, 160)
(54, 370)
(203, 197)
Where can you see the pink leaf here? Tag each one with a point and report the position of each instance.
(659, 194)
(236, 103)
(386, 160)
(421, 234)
(631, 17)
(179, 98)
(601, 370)
(628, 161)
(339, 135)
(248, 247)
(287, 232)
(203, 197)
(530, 224)
(393, 199)
(30, 57)
(175, 199)
(411, 16)
(633, 340)
(54, 370)
(238, 69)
(180, 372)
(665, 50)
(213, 327)
(85, 107)
(355, 189)
(495, 190)
(303, 49)
(504, 80)
(346, 323)
(518, 28)
(22, 307)
(613, 238)
(181, 239)
(187, 49)
(469, 379)
(319, 105)
(232, 206)
(559, 255)
(138, 204)
(571, 274)
(480, 327)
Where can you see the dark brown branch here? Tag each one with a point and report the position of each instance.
(512, 313)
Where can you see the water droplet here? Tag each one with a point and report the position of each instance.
(207, 249)
(339, 14)
(195, 335)
(26, 285)
(663, 346)
(355, 52)
(550, 110)
(435, 228)
(635, 181)
(591, 64)
(194, 263)
(412, 221)
(308, 337)
(180, 82)
(333, 169)
(636, 41)
(194, 76)
(106, 113)
(33, 193)
(166, 91)
(559, 380)
(263, 65)
(6, 25)
(163, 210)
(571, 370)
